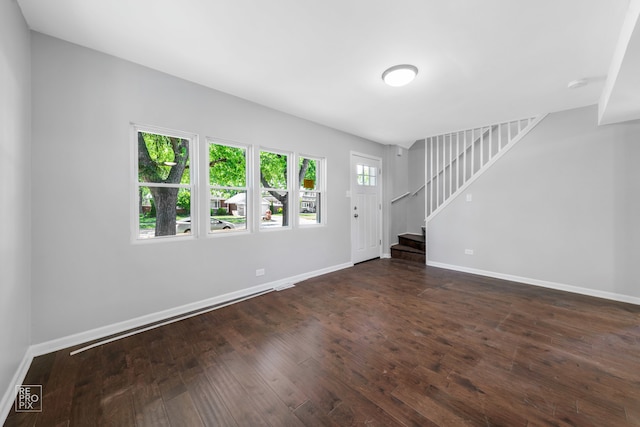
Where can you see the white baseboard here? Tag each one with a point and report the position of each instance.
(542, 283)
(138, 322)
(127, 325)
(18, 378)
(385, 255)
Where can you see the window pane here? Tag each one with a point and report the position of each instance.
(161, 212)
(307, 171)
(163, 159)
(227, 166)
(230, 214)
(273, 170)
(273, 209)
(309, 212)
(274, 206)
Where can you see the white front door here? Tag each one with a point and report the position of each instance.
(366, 219)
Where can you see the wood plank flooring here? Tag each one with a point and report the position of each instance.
(384, 343)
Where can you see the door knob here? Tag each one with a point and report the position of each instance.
(355, 215)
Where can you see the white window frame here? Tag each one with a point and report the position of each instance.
(249, 211)
(260, 189)
(321, 169)
(135, 184)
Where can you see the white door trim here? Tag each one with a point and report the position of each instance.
(379, 197)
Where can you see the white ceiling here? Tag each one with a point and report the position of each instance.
(480, 62)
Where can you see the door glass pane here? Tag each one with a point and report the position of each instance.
(366, 175)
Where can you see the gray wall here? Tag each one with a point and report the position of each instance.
(562, 206)
(87, 274)
(15, 179)
(404, 173)
(415, 204)
(396, 184)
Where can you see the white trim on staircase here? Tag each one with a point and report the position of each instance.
(483, 168)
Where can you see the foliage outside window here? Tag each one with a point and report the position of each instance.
(228, 204)
(164, 183)
(164, 195)
(274, 189)
(311, 194)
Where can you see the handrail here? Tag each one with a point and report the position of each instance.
(415, 193)
(402, 196)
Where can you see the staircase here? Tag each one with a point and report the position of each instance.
(410, 247)
(454, 160)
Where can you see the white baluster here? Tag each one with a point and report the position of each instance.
(450, 165)
(457, 160)
(437, 173)
(431, 192)
(464, 160)
(473, 152)
(490, 142)
(482, 145)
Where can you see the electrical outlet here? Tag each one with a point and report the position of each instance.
(260, 272)
(469, 197)
(468, 251)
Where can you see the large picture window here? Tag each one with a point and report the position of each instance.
(240, 190)
(229, 202)
(274, 189)
(311, 190)
(164, 189)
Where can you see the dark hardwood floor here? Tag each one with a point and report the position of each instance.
(385, 343)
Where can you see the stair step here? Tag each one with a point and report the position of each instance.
(409, 253)
(406, 248)
(416, 241)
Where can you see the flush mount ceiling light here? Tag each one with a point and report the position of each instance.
(575, 84)
(400, 75)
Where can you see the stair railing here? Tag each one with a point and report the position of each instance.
(415, 193)
(412, 194)
(459, 156)
(454, 160)
(400, 197)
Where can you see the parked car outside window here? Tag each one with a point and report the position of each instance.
(184, 225)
